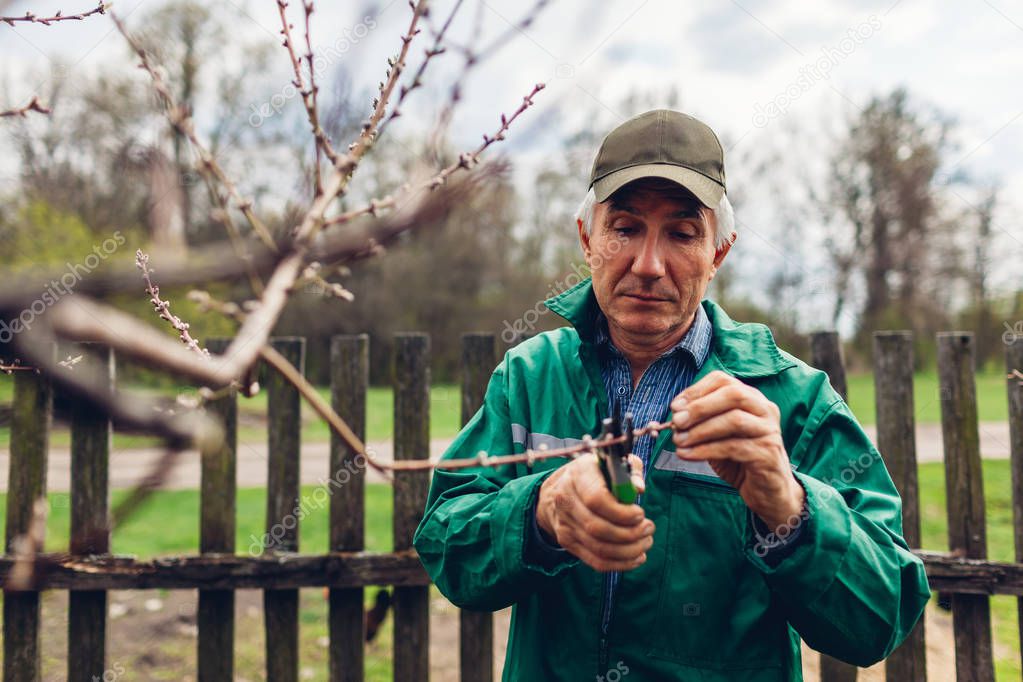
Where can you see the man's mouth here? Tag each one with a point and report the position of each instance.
(648, 298)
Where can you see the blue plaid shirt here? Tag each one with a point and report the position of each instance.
(665, 378)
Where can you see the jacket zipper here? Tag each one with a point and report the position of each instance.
(607, 595)
(607, 599)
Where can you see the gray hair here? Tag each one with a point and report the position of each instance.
(724, 218)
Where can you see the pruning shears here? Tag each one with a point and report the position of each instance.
(614, 458)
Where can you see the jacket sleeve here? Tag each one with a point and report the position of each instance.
(473, 535)
(851, 588)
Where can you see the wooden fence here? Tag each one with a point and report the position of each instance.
(89, 571)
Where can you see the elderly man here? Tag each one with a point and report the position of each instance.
(766, 514)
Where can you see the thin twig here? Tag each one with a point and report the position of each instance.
(163, 307)
(417, 79)
(321, 140)
(7, 369)
(473, 58)
(33, 105)
(30, 18)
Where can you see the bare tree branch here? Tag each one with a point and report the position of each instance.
(33, 105)
(128, 412)
(321, 140)
(30, 18)
(181, 120)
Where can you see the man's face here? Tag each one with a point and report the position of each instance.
(652, 255)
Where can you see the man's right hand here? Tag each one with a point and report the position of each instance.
(576, 509)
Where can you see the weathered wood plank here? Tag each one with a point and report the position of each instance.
(476, 632)
(971, 614)
(411, 440)
(90, 534)
(826, 354)
(217, 513)
(31, 415)
(349, 378)
(226, 571)
(896, 440)
(284, 415)
(359, 569)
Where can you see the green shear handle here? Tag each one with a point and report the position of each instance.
(614, 459)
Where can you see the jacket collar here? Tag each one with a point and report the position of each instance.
(745, 350)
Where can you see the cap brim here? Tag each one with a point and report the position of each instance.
(706, 190)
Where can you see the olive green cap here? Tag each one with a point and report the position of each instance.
(661, 144)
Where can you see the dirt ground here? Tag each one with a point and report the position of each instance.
(152, 636)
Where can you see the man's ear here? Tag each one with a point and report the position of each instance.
(720, 253)
(584, 240)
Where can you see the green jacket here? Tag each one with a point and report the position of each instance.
(704, 606)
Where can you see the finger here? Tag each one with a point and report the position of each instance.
(707, 384)
(731, 424)
(591, 490)
(603, 565)
(585, 523)
(609, 551)
(728, 397)
(736, 449)
(636, 473)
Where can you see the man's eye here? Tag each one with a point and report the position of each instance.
(684, 236)
(623, 229)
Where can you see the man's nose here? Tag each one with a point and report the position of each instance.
(649, 260)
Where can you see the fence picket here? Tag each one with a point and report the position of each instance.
(284, 417)
(896, 440)
(411, 440)
(971, 614)
(217, 513)
(349, 376)
(90, 534)
(31, 414)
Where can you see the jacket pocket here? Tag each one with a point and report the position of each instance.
(714, 608)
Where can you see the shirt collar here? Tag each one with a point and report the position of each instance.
(695, 342)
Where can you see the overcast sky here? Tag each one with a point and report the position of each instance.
(743, 67)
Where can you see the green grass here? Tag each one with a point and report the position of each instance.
(992, 403)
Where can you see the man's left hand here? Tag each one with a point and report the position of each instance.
(736, 429)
